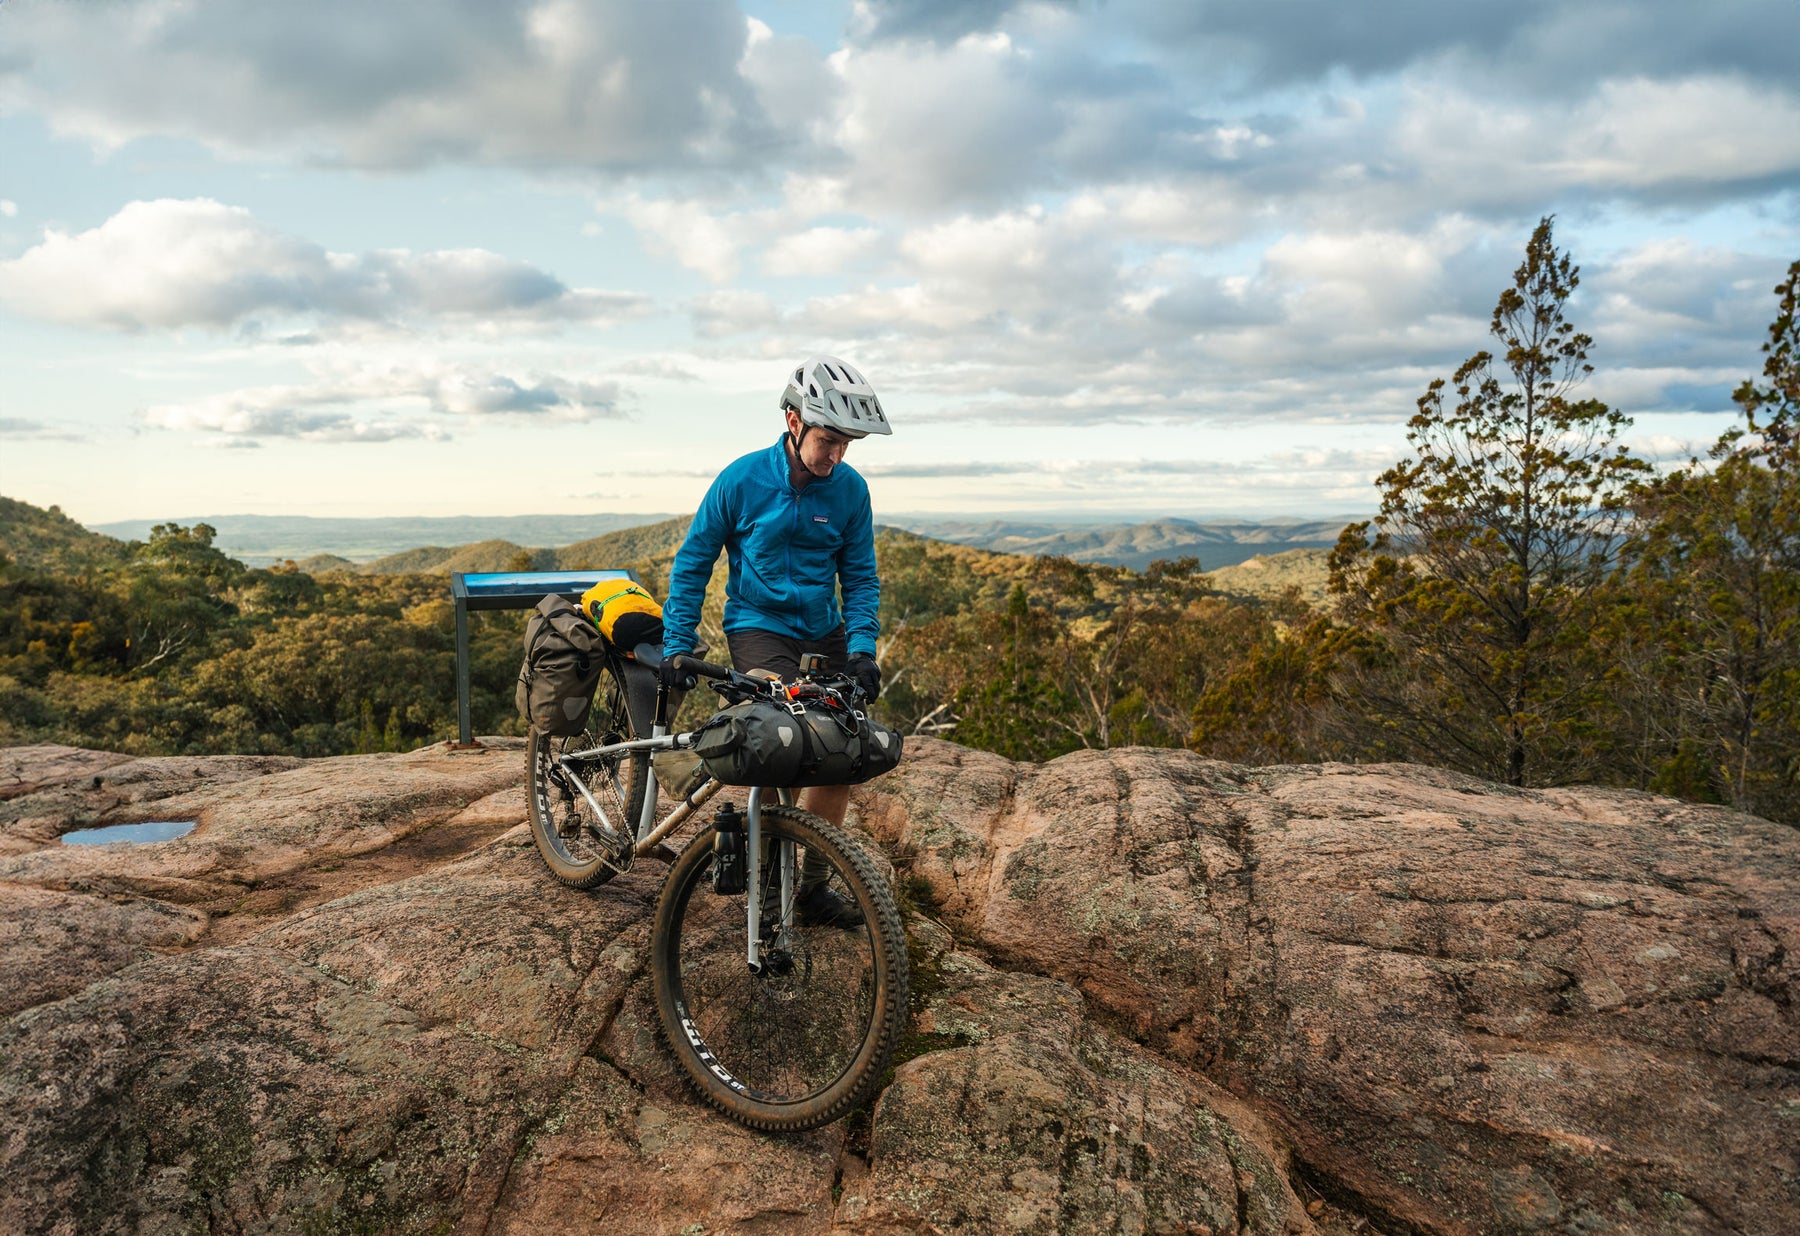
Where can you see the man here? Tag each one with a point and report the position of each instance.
(795, 524)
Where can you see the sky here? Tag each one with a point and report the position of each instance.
(1101, 258)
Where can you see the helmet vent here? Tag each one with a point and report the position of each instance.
(812, 390)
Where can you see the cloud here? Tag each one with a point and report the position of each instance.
(382, 404)
(1057, 317)
(819, 250)
(1542, 45)
(686, 231)
(726, 312)
(1309, 481)
(169, 264)
(614, 86)
(936, 20)
(8, 208)
(1685, 140)
(40, 431)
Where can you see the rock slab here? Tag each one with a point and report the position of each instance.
(1468, 1007)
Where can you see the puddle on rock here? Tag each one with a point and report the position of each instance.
(150, 830)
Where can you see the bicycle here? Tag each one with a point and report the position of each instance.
(780, 1024)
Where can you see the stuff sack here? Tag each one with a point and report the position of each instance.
(564, 658)
(626, 614)
(763, 743)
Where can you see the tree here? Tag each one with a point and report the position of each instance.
(1490, 543)
(1714, 567)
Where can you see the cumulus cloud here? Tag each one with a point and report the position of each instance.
(605, 84)
(169, 264)
(381, 404)
(819, 250)
(1056, 317)
(727, 312)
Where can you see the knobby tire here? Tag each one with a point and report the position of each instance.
(781, 1051)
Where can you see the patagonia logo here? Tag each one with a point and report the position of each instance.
(821, 519)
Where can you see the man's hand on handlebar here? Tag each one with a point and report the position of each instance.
(863, 669)
(676, 679)
(679, 670)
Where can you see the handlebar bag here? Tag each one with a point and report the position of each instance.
(762, 743)
(564, 657)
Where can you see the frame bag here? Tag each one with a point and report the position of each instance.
(762, 743)
(564, 657)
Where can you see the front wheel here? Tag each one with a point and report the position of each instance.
(803, 1039)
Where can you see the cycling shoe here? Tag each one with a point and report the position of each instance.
(820, 906)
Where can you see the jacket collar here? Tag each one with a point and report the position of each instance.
(778, 460)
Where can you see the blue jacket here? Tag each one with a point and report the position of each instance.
(789, 550)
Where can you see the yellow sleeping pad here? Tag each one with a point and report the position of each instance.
(612, 600)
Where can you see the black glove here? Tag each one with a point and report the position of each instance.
(672, 678)
(867, 674)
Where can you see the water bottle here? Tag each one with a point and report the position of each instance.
(728, 851)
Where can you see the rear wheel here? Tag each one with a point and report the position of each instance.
(804, 1039)
(580, 846)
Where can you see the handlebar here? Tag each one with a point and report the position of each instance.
(688, 664)
(651, 657)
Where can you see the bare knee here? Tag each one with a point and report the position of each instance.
(828, 801)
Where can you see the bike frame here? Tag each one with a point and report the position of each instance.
(648, 834)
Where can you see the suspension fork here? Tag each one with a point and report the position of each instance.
(753, 883)
(788, 874)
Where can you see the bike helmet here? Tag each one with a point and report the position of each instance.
(828, 394)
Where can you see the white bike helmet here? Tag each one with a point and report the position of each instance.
(828, 394)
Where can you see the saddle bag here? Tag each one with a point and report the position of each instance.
(564, 658)
(762, 743)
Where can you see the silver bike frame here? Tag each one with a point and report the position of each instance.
(649, 837)
(646, 837)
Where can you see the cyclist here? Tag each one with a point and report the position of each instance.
(795, 524)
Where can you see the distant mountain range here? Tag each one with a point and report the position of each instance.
(611, 549)
(569, 542)
(259, 540)
(1216, 544)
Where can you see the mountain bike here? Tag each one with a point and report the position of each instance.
(779, 1023)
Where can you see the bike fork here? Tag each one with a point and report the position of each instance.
(753, 860)
(753, 853)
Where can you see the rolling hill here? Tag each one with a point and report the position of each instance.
(260, 540)
(39, 539)
(1216, 545)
